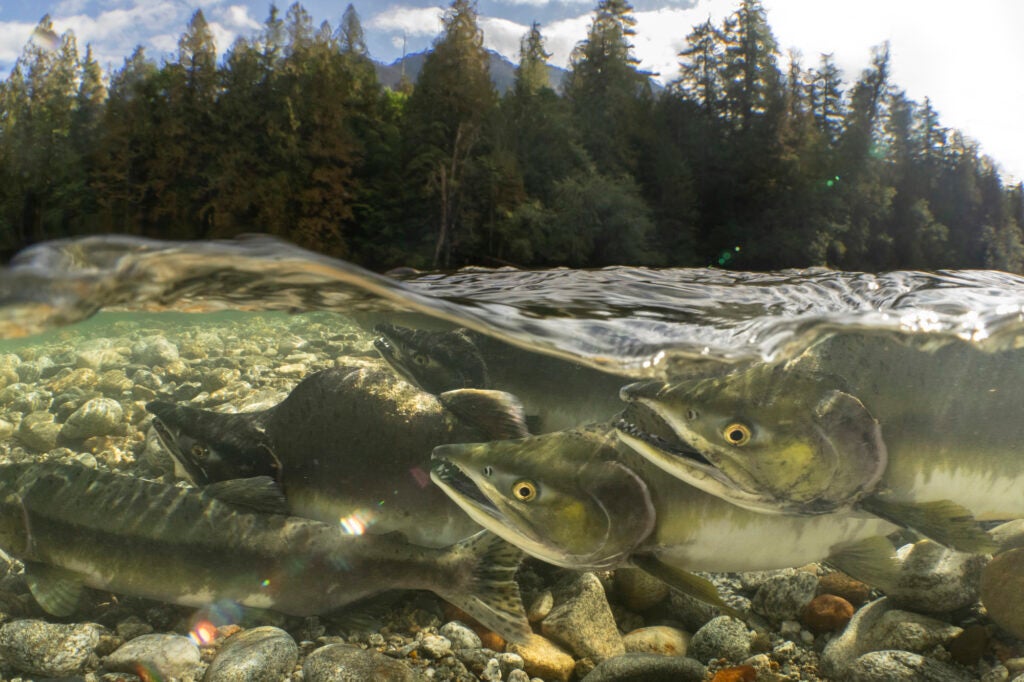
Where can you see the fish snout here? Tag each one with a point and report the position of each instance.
(641, 390)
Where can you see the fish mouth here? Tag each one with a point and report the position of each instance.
(452, 479)
(640, 422)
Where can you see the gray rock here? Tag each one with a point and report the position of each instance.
(491, 671)
(647, 668)
(49, 649)
(840, 654)
(722, 637)
(900, 666)
(97, 417)
(517, 676)
(434, 646)
(783, 597)
(460, 635)
(38, 432)
(582, 620)
(935, 579)
(99, 359)
(260, 654)
(908, 632)
(165, 656)
(155, 350)
(346, 663)
(25, 399)
(509, 662)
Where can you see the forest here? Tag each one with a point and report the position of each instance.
(747, 159)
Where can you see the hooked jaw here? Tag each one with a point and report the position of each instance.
(648, 427)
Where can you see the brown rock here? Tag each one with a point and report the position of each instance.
(544, 659)
(842, 585)
(827, 613)
(739, 673)
(969, 646)
(657, 639)
(1002, 591)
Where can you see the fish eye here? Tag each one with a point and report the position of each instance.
(524, 490)
(737, 434)
(420, 359)
(691, 414)
(199, 452)
(488, 471)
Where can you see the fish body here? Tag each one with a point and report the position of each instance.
(348, 445)
(72, 526)
(857, 420)
(557, 394)
(583, 500)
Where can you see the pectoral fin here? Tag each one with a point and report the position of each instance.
(498, 414)
(871, 560)
(259, 493)
(56, 590)
(684, 581)
(944, 521)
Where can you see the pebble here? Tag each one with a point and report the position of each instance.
(82, 377)
(638, 590)
(460, 635)
(1002, 591)
(161, 656)
(908, 631)
(738, 673)
(155, 350)
(49, 649)
(840, 653)
(260, 654)
(902, 666)
(934, 579)
(540, 607)
(784, 597)
(97, 417)
(582, 620)
(434, 646)
(640, 667)
(826, 613)
(722, 637)
(347, 663)
(38, 432)
(544, 659)
(657, 639)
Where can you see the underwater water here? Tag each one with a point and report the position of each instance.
(920, 374)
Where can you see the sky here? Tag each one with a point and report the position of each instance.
(966, 56)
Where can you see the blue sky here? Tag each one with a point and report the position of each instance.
(966, 56)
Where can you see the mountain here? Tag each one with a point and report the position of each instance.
(503, 72)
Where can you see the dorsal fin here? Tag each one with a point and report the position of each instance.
(498, 414)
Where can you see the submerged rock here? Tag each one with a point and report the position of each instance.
(49, 649)
(722, 637)
(161, 656)
(97, 417)
(261, 654)
(638, 667)
(1002, 591)
(582, 620)
(346, 663)
(935, 579)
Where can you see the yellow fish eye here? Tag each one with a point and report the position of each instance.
(736, 434)
(199, 452)
(524, 490)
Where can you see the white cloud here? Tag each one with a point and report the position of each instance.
(561, 36)
(13, 36)
(503, 36)
(413, 21)
(237, 17)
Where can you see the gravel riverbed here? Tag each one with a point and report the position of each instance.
(80, 395)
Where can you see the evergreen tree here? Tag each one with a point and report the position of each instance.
(350, 33)
(532, 72)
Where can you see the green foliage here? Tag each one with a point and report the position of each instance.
(746, 160)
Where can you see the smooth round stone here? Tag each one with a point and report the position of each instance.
(657, 639)
(346, 663)
(82, 377)
(722, 637)
(154, 351)
(908, 631)
(842, 585)
(97, 417)
(38, 431)
(935, 579)
(161, 656)
(49, 649)
(435, 646)
(639, 667)
(263, 654)
(902, 666)
(784, 597)
(582, 620)
(544, 659)
(1002, 591)
(460, 635)
(827, 613)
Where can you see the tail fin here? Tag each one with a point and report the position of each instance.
(491, 595)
